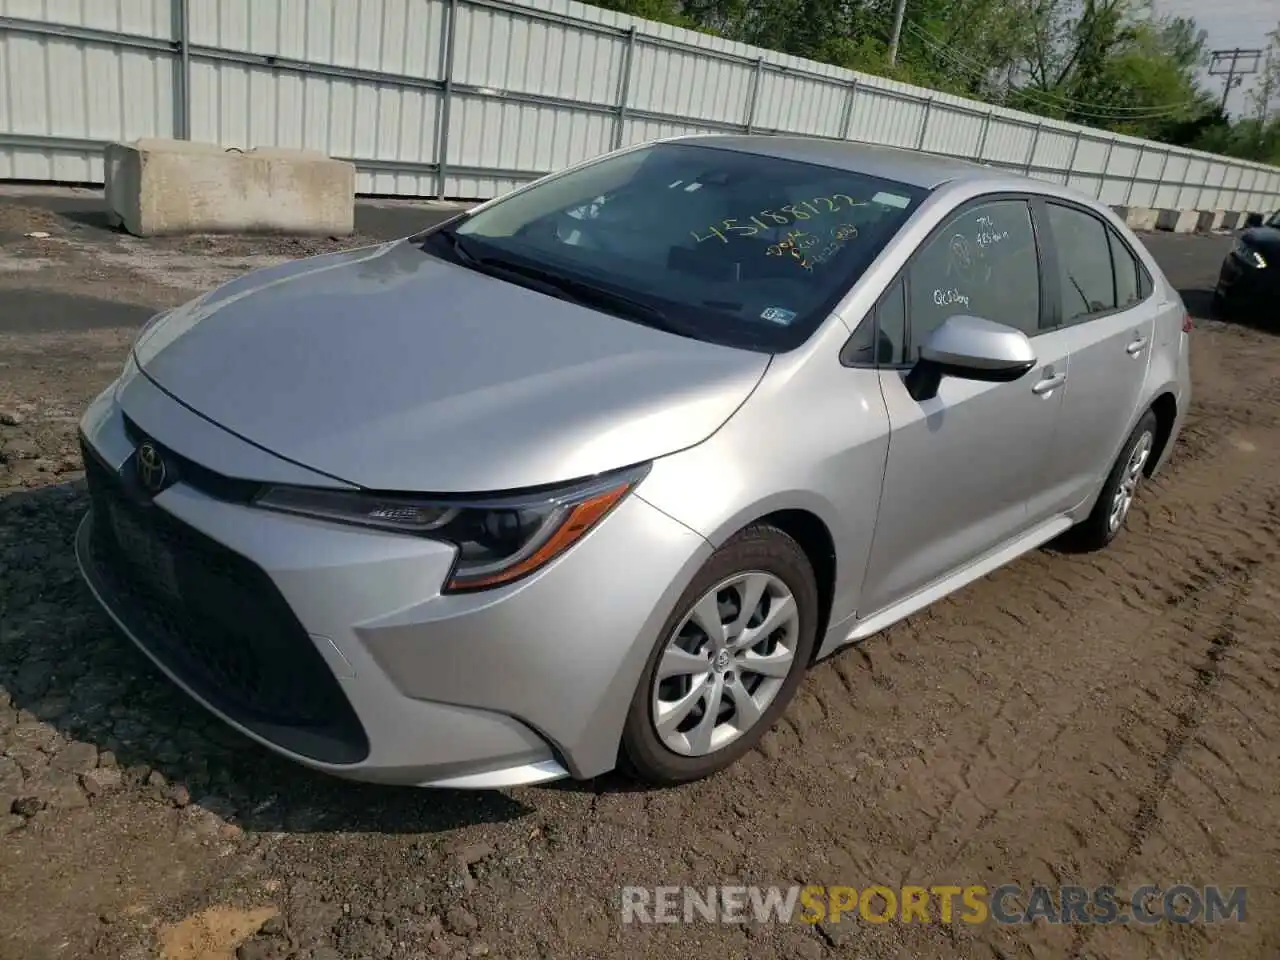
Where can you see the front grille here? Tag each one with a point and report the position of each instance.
(216, 485)
(216, 621)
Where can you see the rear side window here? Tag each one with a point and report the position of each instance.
(982, 263)
(1145, 283)
(1127, 269)
(1086, 280)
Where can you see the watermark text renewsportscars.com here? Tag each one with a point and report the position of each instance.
(972, 904)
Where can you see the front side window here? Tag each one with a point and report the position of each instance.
(1086, 281)
(722, 245)
(982, 263)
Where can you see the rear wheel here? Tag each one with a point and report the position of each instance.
(1106, 520)
(728, 661)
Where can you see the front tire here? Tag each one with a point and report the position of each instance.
(1220, 308)
(1107, 518)
(728, 660)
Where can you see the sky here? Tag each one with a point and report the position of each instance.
(1229, 23)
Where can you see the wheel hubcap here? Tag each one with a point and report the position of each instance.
(1129, 480)
(725, 663)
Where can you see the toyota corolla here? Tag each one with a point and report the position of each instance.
(592, 473)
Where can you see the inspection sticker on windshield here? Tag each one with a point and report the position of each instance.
(890, 200)
(778, 315)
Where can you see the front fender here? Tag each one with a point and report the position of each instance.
(813, 437)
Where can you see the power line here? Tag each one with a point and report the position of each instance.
(1047, 98)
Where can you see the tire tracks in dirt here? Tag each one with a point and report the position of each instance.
(1171, 584)
(1190, 717)
(1068, 719)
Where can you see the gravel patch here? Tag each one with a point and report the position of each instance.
(1101, 720)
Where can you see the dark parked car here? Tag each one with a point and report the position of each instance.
(1249, 282)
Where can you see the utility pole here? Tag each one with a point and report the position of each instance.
(1263, 94)
(1234, 71)
(899, 12)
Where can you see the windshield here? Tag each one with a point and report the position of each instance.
(730, 247)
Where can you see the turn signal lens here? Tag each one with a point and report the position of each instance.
(1187, 324)
(557, 534)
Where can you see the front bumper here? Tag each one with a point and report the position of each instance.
(333, 646)
(1244, 287)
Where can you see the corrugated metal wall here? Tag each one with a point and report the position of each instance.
(470, 98)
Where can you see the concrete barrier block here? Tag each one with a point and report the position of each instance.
(1230, 220)
(1185, 221)
(1141, 218)
(159, 187)
(1166, 219)
(1204, 221)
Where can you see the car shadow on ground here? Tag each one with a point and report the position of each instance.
(1199, 304)
(82, 708)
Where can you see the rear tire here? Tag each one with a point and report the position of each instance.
(727, 662)
(1107, 518)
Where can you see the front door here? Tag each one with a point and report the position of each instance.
(963, 466)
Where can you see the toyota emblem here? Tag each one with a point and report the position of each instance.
(152, 472)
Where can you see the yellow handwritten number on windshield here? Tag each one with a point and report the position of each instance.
(791, 213)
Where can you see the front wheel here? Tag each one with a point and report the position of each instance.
(727, 662)
(1106, 520)
(1220, 308)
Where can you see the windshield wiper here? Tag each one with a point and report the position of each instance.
(591, 295)
(456, 247)
(580, 291)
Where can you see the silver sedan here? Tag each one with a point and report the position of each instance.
(592, 473)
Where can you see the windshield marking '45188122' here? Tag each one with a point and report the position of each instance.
(728, 246)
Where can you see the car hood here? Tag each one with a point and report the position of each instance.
(1262, 238)
(393, 370)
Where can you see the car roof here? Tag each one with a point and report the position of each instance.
(911, 167)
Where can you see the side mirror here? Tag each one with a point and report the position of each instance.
(970, 348)
(1253, 220)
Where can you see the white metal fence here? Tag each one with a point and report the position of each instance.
(469, 98)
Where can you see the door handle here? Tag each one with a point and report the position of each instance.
(1049, 384)
(1136, 346)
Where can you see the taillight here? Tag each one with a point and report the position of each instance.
(1186, 322)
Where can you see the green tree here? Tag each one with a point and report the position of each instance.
(1112, 64)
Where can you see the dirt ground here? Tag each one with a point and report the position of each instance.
(1068, 719)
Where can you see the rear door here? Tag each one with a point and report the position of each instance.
(963, 465)
(1107, 313)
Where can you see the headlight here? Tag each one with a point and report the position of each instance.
(1249, 255)
(499, 539)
